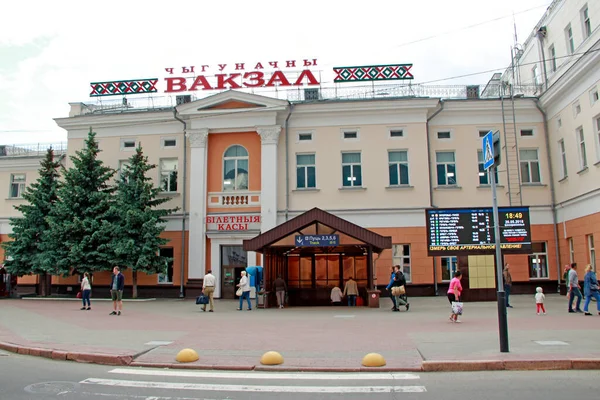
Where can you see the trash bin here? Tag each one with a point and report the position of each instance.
(263, 299)
(373, 298)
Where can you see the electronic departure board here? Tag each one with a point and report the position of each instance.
(462, 231)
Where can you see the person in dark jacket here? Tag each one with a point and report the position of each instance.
(280, 288)
(400, 280)
(116, 291)
(389, 288)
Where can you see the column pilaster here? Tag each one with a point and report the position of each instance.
(269, 136)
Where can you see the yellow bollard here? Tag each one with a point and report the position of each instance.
(373, 360)
(186, 356)
(271, 358)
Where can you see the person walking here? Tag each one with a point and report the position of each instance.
(454, 292)
(539, 300)
(507, 284)
(245, 286)
(86, 291)
(590, 289)
(400, 283)
(116, 291)
(389, 288)
(336, 296)
(208, 288)
(351, 290)
(575, 290)
(280, 287)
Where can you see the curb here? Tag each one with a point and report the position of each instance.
(427, 366)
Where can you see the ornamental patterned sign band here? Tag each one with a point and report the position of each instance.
(114, 88)
(373, 73)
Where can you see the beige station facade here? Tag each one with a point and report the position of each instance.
(238, 164)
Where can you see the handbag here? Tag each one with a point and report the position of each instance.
(398, 290)
(79, 295)
(202, 299)
(457, 307)
(239, 292)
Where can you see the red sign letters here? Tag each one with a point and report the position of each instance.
(233, 222)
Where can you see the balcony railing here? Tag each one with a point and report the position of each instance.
(31, 149)
(234, 199)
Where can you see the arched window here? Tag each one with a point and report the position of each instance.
(235, 169)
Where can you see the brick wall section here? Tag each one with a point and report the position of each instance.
(578, 229)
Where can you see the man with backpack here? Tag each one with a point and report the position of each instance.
(400, 282)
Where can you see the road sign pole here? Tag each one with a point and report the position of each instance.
(501, 295)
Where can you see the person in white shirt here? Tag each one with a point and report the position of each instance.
(208, 287)
(539, 300)
(86, 291)
(336, 296)
(245, 286)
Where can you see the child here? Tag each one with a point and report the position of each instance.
(539, 300)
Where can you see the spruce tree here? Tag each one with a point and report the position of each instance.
(25, 253)
(136, 234)
(78, 241)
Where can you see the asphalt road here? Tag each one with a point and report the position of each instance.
(29, 378)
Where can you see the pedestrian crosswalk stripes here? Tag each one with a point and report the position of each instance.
(266, 375)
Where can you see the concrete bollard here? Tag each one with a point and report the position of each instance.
(271, 358)
(187, 355)
(373, 360)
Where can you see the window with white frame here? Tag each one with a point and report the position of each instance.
(168, 174)
(444, 135)
(350, 134)
(166, 274)
(526, 132)
(401, 258)
(569, 38)
(235, 169)
(17, 186)
(563, 158)
(581, 148)
(306, 171)
(597, 136)
(594, 96)
(484, 178)
(128, 144)
(559, 122)
(552, 52)
(571, 251)
(530, 166)
(398, 167)
(576, 109)
(592, 251)
(482, 133)
(585, 22)
(538, 261)
(449, 266)
(305, 136)
(396, 133)
(536, 76)
(168, 143)
(351, 169)
(446, 168)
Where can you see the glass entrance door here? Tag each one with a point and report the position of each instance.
(233, 261)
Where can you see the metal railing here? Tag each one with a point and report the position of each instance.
(31, 149)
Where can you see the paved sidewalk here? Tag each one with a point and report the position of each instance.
(325, 338)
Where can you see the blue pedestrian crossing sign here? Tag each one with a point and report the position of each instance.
(488, 150)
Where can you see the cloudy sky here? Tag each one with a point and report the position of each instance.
(50, 51)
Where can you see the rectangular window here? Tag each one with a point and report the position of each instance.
(585, 22)
(128, 144)
(552, 52)
(483, 133)
(483, 174)
(594, 96)
(396, 133)
(444, 135)
(305, 136)
(526, 132)
(563, 157)
(350, 135)
(530, 166)
(592, 251)
(401, 257)
(166, 276)
(597, 135)
(306, 171)
(446, 168)
(581, 148)
(17, 186)
(351, 170)
(569, 38)
(398, 167)
(168, 175)
(536, 75)
(449, 265)
(538, 261)
(169, 143)
(571, 251)
(576, 109)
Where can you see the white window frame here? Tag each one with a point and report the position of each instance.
(536, 76)
(597, 136)
(591, 251)
(536, 256)
(594, 95)
(586, 24)
(397, 164)
(163, 141)
(483, 132)
(570, 41)
(350, 130)
(448, 131)
(236, 159)
(396, 130)
(581, 150)
(451, 261)
(484, 172)
(529, 162)
(576, 109)
(532, 130)
(552, 52)
(128, 140)
(167, 173)
(559, 122)
(305, 168)
(402, 260)
(562, 153)
(304, 133)
(571, 250)
(19, 184)
(160, 277)
(352, 164)
(445, 163)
